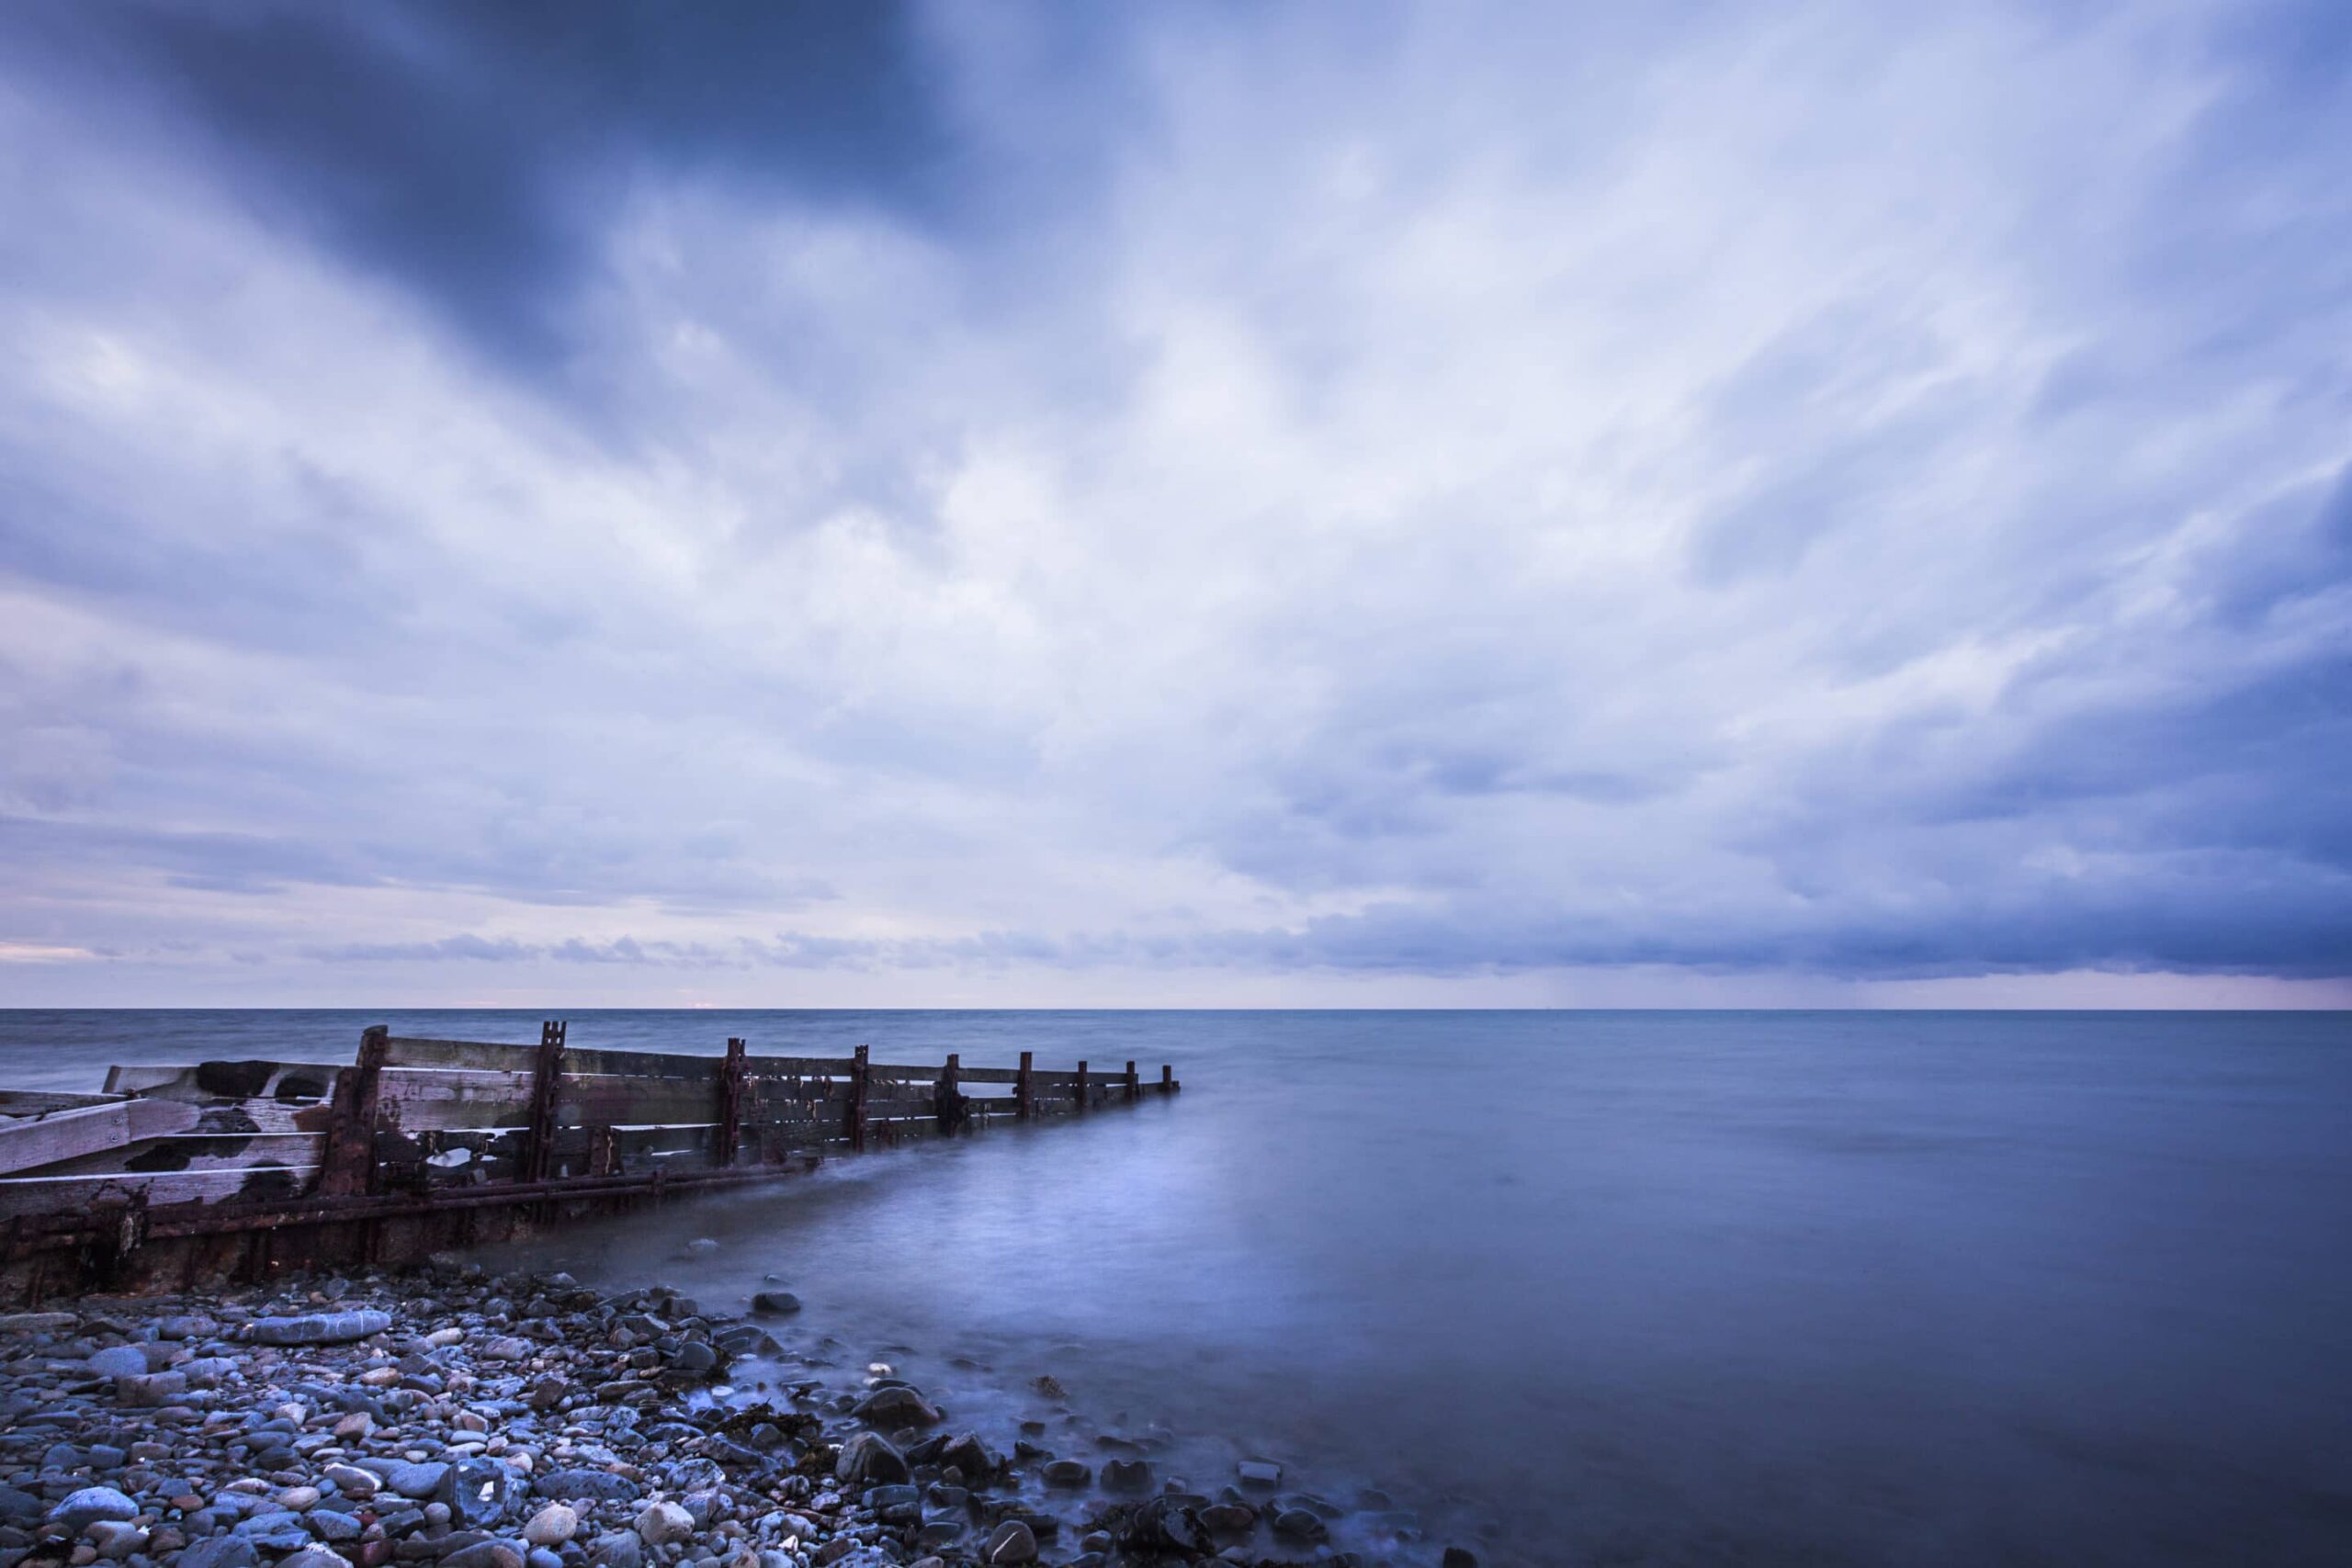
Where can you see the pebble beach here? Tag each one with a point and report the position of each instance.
(447, 1415)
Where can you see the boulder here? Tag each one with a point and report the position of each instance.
(85, 1507)
(868, 1459)
(319, 1327)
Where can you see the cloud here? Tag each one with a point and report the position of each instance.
(945, 492)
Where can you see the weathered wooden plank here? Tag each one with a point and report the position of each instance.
(422, 1098)
(588, 1098)
(58, 1194)
(226, 1080)
(41, 1101)
(480, 1056)
(195, 1151)
(33, 1143)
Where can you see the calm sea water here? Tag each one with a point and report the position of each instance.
(1687, 1288)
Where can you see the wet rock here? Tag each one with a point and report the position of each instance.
(1012, 1541)
(352, 1482)
(1126, 1475)
(319, 1327)
(21, 1507)
(776, 1303)
(312, 1557)
(119, 1360)
(1300, 1524)
(220, 1551)
(868, 1459)
(329, 1525)
(595, 1486)
(659, 1524)
(487, 1554)
(1457, 1557)
(114, 1539)
(1260, 1472)
(620, 1549)
(148, 1391)
(1162, 1525)
(551, 1526)
(1230, 1518)
(476, 1491)
(418, 1480)
(1067, 1472)
(966, 1453)
(85, 1507)
(897, 1405)
(37, 1322)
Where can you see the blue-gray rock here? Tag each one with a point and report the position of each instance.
(476, 1491)
(620, 1549)
(119, 1360)
(313, 1557)
(220, 1551)
(421, 1482)
(1067, 1472)
(1013, 1543)
(85, 1507)
(276, 1532)
(781, 1303)
(328, 1525)
(105, 1456)
(319, 1327)
(598, 1486)
(868, 1459)
(541, 1557)
(487, 1554)
(896, 1406)
(21, 1507)
(1125, 1474)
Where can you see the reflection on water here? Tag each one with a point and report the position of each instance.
(1674, 1288)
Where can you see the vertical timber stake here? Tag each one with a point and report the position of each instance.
(1024, 1089)
(1081, 1088)
(1168, 1078)
(1134, 1091)
(347, 1166)
(858, 1082)
(538, 1149)
(948, 1103)
(731, 1073)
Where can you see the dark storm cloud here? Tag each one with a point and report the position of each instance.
(474, 152)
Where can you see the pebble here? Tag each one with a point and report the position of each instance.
(85, 1507)
(661, 1523)
(551, 1526)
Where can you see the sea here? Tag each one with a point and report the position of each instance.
(1608, 1288)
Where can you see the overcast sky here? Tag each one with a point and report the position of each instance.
(772, 505)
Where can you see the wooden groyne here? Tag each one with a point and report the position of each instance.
(172, 1175)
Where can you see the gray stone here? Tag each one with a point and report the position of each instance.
(868, 1459)
(1012, 1541)
(620, 1549)
(895, 1406)
(1126, 1475)
(85, 1507)
(1261, 1472)
(1457, 1557)
(659, 1524)
(416, 1480)
(37, 1322)
(779, 1303)
(329, 1524)
(1067, 1472)
(487, 1554)
(1300, 1524)
(596, 1485)
(477, 1492)
(220, 1551)
(115, 1538)
(319, 1327)
(119, 1360)
(552, 1526)
(312, 1557)
(149, 1390)
(21, 1507)
(352, 1482)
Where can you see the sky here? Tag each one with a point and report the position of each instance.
(1661, 504)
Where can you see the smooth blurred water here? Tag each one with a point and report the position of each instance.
(1706, 1288)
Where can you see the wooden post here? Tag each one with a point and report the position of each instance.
(947, 1101)
(1081, 1088)
(1167, 1078)
(347, 1167)
(539, 1147)
(1024, 1089)
(731, 1073)
(1135, 1092)
(857, 1091)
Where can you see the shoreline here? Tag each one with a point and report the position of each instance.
(449, 1414)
